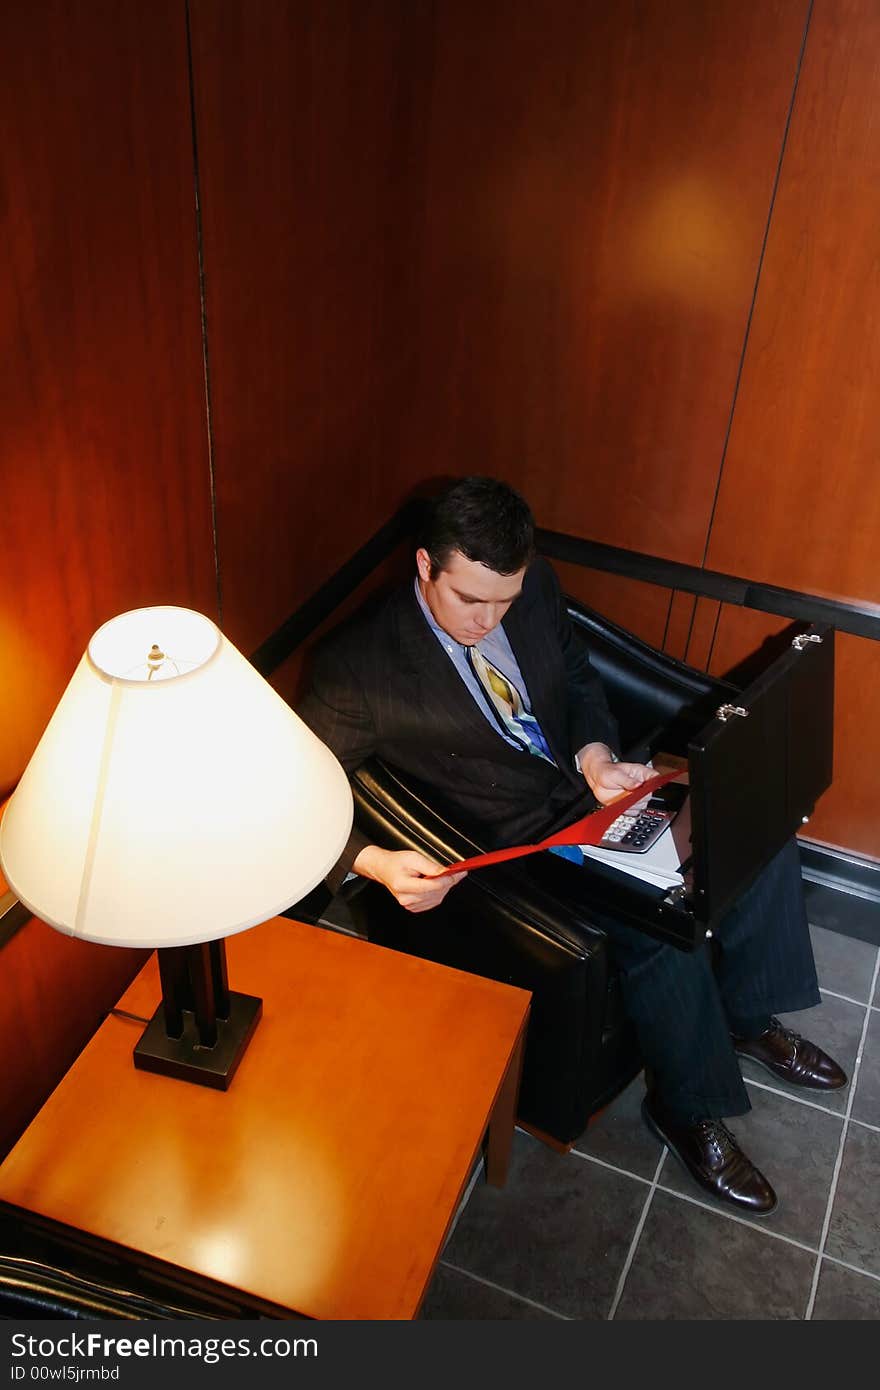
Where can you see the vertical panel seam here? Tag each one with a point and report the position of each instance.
(687, 640)
(760, 267)
(672, 593)
(203, 307)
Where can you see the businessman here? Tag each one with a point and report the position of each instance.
(470, 679)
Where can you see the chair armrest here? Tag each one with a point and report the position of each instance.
(401, 815)
(31, 1289)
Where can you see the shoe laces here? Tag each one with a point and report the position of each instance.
(717, 1132)
(788, 1033)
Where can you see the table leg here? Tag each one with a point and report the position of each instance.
(499, 1135)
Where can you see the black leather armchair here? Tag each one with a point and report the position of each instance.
(535, 922)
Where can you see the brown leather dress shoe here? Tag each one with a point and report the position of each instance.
(711, 1155)
(792, 1058)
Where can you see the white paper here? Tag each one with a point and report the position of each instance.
(661, 864)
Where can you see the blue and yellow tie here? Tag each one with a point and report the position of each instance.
(508, 705)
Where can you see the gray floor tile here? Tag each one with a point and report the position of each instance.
(690, 1263)
(844, 965)
(454, 1296)
(834, 1025)
(620, 1136)
(795, 1147)
(558, 1232)
(845, 1296)
(854, 1233)
(841, 912)
(866, 1102)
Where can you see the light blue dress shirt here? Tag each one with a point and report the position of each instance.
(496, 648)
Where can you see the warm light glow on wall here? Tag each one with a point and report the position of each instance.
(689, 243)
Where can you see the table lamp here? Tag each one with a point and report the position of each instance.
(173, 800)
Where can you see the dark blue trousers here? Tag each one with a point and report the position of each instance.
(682, 1003)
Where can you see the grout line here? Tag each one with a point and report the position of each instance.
(856, 1269)
(798, 1100)
(478, 1171)
(847, 998)
(717, 1210)
(826, 1224)
(637, 1235)
(740, 1220)
(863, 1124)
(499, 1288)
(624, 1172)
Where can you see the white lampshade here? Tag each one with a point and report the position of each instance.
(174, 797)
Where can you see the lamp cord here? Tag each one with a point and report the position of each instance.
(123, 1013)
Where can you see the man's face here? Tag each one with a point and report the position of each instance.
(466, 599)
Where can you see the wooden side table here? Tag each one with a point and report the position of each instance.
(324, 1181)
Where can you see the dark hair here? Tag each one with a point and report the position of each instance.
(484, 519)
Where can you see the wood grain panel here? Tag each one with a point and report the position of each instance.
(846, 816)
(599, 179)
(56, 991)
(682, 609)
(105, 485)
(702, 634)
(799, 503)
(309, 123)
(640, 607)
(290, 679)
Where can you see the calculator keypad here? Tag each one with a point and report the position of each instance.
(635, 831)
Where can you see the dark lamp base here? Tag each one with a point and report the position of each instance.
(185, 1058)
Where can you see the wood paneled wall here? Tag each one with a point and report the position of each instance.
(121, 439)
(799, 499)
(103, 466)
(310, 120)
(300, 128)
(648, 297)
(598, 185)
(104, 484)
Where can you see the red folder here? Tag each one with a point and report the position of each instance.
(586, 831)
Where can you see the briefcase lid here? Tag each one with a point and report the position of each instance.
(757, 769)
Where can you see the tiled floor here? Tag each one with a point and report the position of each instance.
(617, 1229)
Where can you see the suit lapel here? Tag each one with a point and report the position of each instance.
(528, 638)
(436, 685)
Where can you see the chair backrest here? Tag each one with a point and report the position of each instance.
(647, 690)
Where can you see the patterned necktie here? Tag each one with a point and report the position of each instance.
(507, 703)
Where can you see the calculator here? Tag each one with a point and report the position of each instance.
(637, 830)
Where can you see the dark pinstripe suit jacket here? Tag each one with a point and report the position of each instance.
(383, 686)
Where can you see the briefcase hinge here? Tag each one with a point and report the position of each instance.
(803, 638)
(724, 712)
(677, 897)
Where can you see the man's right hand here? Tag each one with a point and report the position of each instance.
(406, 875)
(606, 778)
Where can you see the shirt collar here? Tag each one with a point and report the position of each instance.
(438, 631)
